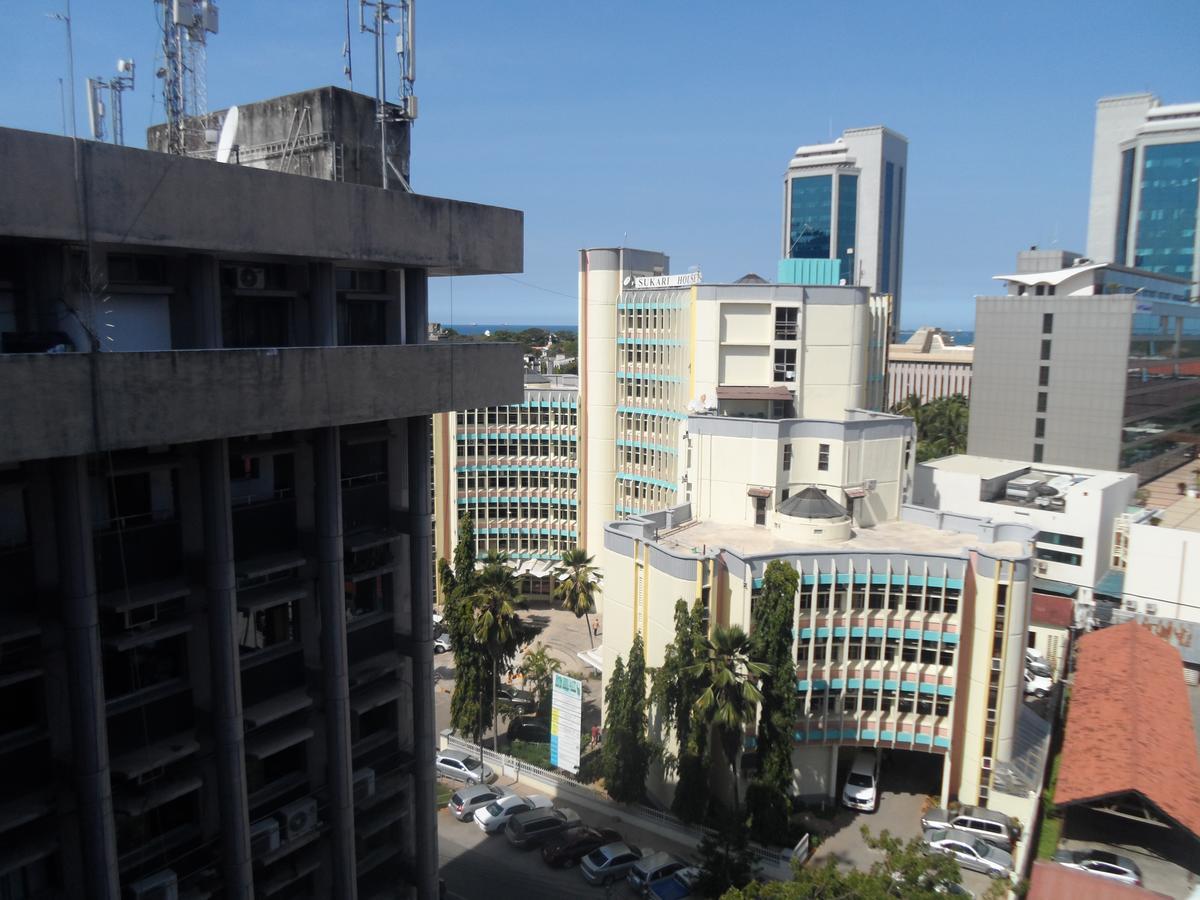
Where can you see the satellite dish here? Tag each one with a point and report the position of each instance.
(228, 133)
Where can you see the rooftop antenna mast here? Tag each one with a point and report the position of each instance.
(403, 14)
(186, 25)
(115, 87)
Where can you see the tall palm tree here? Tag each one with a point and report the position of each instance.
(496, 623)
(577, 582)
(730, 694)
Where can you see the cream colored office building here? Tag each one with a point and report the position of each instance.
(908, 635)
(655, 347)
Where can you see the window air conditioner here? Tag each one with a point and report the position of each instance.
(251, 277)
(162, 885)
(264, 837)
(870, 484)
(298, 818)
(364, 784)
(1151, 608)
(1131, 605)
(1041, 568)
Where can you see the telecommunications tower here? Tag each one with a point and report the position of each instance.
(115, 87)
(186, 25)
(402, 14)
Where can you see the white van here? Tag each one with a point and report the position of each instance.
(862, 784)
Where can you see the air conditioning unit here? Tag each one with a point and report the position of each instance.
(141, 616)
(251, 277)
(1130, 605)
(298, 819)
(364, 784)
(162, 885)
(1151, 608)
(870, 484)
(1041, 568)
(264, 837)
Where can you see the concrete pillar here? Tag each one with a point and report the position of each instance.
(322, 304)
(831, 787)
(946, 770)
(420, 574)
(416, 306)
(331, 598)
(229, 746)
(85, 677)
(204, 287)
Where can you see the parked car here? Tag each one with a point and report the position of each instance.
(1101, 862)
(536, 731)
(675, 887)
(463, 767)
(1038, 685)
(862, 784)
(535, 827)
(971, 852)
(570, 847)
(493, 817)
(518, 699)
(1037, 663)
(441, 643)
(994, 827)
(652, 867)
(609, 863)
(466, 800)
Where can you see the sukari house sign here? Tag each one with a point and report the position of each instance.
(652, 282)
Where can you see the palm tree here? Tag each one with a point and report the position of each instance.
(577, 582)
(730, 694)
(496, 623)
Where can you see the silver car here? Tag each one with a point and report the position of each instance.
(469, 798)
(994, 827)
(1101, 862)
(463, 767)
(609, 863)
(971, 852)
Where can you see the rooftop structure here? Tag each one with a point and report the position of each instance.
(1117, 758)
(928, 365)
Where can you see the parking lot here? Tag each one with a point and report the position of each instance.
(476, 865)
(907, 778)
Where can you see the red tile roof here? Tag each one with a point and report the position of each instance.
(1050, 610)
(1051, 881)
(1129, 726)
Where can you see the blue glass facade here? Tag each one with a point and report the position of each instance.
(885, 262)
(847, 220)
(1126, 201)
(810, 217)
(1167, 208)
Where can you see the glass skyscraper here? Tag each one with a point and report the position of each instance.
(844, 201)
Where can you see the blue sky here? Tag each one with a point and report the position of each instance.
(668, 125)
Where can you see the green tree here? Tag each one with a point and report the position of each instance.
(907, 871)
(538, 668)
(771, 644)
(677, 687)
(626, 749)
(941, 424)
(471, 704)
(496, 624)
(577, 580)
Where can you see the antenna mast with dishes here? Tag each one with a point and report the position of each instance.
(115, 87)
(403, 14)
(186, 25)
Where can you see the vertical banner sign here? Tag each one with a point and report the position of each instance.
(566, 718)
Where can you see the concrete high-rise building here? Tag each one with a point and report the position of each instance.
(929, 366)
(1145, 200)
(1086, 364)
(515, 469)
(215, 623)
(844, 201)
(655, 346)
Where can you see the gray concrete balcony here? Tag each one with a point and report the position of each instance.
(68, 404)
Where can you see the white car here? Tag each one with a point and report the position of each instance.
(1038, 685)
(493, 817)
(441, 644)
(861, 790)
(970, 851)
(463, 767)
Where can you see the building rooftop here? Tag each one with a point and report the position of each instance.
(1052, 881)
(1112, 748)
(899, 536)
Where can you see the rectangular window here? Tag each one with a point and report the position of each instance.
(786, 318)
(847, 222)
(1123, 207)
(1043, 376)
(760, 510)
(785, 364)
(1041, 401)
(787, 457)
(1038, 450)
(1047, 323)
(1039, 428)
(1062, 540)
(1045, 350)
(784, 494)
(1166, 220)
(1070, 559)
(811, 217)
(822, 457)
